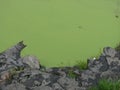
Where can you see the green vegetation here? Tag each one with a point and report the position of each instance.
(82, 65)
(118, 47)
(104, 84)
(71, 74)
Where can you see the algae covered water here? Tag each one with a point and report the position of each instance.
(60, 32)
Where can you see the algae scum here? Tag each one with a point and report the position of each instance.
(60, 32)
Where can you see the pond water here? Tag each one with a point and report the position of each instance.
(60, 32)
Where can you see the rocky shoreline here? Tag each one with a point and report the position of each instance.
(26, 73)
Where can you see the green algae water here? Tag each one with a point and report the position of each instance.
(60, 32)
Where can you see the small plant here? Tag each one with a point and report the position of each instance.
(71, 74)
(82, 65)
(104, 84)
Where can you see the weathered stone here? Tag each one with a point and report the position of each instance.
(16, 86)
(4, 76)
(118, 55)
(36, 83)
(31, 61)
(56, 86)
(66, 83)
(114, 60)
(13, 52)
(25, 73)
(97, 65)
(88, 78)
(42, 88)
(108, 51)
(30, 81)
(116, 69)
(106, 74)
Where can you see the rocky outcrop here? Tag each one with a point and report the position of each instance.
(26, 73)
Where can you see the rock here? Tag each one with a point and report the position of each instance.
(45, 83)
(108, 51)
(37, 83)
(106, 74)
(98, 65)
(13, 52)
(113, 61)
(66, 83)
(43, 88)
(103, 61)
(93, 66)
(33, 82)
(118, 54)
(4, 76)
(56, 86)
(26, 73)
(31, 61)
(15, 86)
(88, 78)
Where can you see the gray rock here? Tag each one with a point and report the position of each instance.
(27, 74)
(68, 83)
(45, 82)
(34, 72)
(88, 78)
(45, 75)
(31, 61)
(108, 51)
(42, 88)
(92, 66)
(16, 86)
(5, 75)
(105, 66)
(14, 52)
(110, 75)
(56, 86)
(82, 88)
(114, 60)
(36, 83)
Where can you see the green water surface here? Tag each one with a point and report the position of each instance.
(60, 32)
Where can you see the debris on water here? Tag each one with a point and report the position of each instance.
(117, 10)
(117, 16)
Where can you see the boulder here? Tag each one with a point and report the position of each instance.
(108, 51)
(31, 61)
